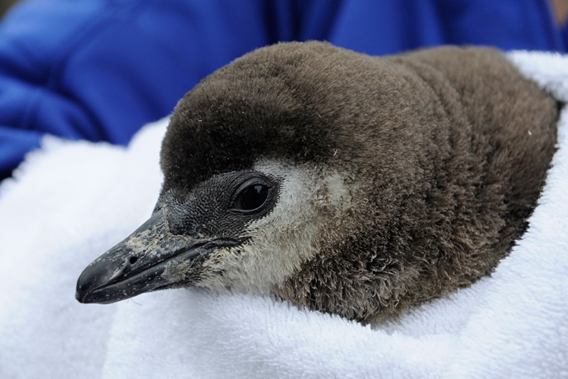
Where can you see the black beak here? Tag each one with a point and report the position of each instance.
(149, 259)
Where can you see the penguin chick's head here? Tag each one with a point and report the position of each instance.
(346, 183)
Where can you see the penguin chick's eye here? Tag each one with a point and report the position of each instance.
(251, 197)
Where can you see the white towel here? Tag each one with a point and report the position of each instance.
(71, 201)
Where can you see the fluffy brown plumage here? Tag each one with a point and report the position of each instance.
(443, 153)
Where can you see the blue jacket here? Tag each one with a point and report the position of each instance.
(100, 69)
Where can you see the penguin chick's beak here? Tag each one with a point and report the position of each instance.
(149, 259)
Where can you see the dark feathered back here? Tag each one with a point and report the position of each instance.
(446, 151)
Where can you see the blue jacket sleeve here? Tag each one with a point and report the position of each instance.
(100, 69)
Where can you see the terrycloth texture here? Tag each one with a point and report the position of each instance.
(72, 201)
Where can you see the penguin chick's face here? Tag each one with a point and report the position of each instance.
(279, 234)
(248, 230)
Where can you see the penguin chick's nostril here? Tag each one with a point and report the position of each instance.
(132, 260)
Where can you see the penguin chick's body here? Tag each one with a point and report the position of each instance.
(345, 183)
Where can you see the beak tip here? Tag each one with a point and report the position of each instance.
(80, 299)
(81, 293)
(93, 277)
(88, 295)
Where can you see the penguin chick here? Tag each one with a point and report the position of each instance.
(345, 183)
